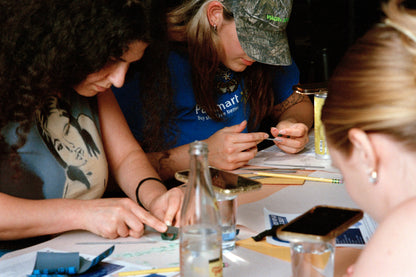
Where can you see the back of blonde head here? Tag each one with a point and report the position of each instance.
(374, 86)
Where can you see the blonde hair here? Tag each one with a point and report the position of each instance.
(189, 23)
(190, 13)
(374, 86)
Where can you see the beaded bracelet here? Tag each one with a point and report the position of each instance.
(141, 183)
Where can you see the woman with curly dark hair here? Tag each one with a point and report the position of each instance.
(231, 70)
(61, 127)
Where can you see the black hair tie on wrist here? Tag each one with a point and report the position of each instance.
(141, 183)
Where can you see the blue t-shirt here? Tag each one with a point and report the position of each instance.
(192, 122)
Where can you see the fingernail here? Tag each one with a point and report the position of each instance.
(169, 223)
(281, 135)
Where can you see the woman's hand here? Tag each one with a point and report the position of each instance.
(229, 148)
(117, 217)
(292, 137)
(167, 207)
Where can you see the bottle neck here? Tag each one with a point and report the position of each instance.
(200, 176)
(200, 205)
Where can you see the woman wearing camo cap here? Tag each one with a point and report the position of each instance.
(230, 68)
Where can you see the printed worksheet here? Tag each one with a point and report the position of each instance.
(356, 236)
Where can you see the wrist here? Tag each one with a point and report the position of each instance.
(139, 200)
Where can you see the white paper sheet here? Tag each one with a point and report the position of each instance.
(306, 159)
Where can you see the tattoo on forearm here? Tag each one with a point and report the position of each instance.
(293, 99)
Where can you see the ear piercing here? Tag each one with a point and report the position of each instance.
(373, 177)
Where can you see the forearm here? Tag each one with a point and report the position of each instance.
(21, 218)
(131, 171)
(298, 109)
(171, 161)
(126, 158)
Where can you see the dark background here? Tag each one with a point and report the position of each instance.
(320, 31)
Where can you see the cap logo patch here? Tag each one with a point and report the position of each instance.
(276, 18)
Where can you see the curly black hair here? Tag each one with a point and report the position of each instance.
(48, 46)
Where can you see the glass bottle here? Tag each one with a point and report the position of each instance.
(200, 229)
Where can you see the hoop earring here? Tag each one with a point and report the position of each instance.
(373, 177)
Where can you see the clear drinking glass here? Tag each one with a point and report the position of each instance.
(227, 205)
(312, 259)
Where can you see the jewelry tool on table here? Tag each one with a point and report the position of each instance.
(265, 233)
(171, 233)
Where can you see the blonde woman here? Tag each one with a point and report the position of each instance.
(370, 121)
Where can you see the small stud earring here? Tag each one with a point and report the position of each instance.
(215, 28)
(373, 178)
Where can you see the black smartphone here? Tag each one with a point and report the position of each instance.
(225, 182)
(321, 223)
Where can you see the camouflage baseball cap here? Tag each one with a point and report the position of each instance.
(261, 28)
